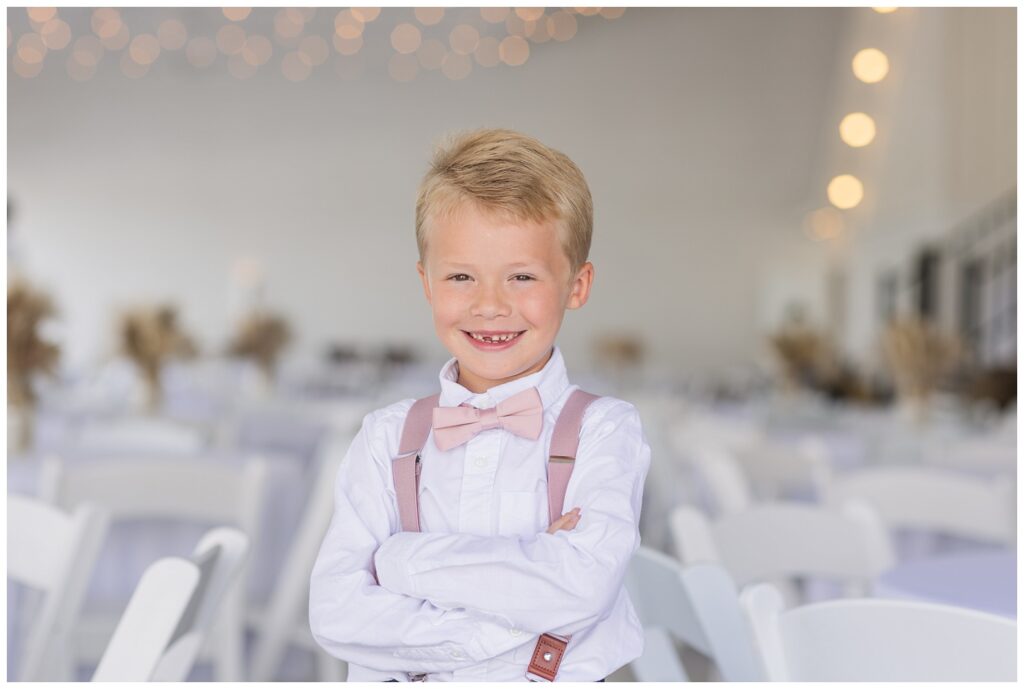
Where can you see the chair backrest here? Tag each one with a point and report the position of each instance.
(52, 552)
(934, 499)
(773, 540)
(140, 434)
(722, 478)
(163, 627)
(289, 602)
(698, 605)
(871, 640)
(191, 489)
(777, 470)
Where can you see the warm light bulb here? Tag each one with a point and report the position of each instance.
(845, 191)
(870, 65)
(857, 129)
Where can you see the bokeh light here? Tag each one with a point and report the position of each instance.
(236, 14)
(824, 224)
(428, 16)
(845, 191)
(857, 129)
(514, 50)
(405, 38)
(870, 65)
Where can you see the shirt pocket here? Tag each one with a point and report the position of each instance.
(522, 513)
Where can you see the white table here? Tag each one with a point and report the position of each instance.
(984, 580)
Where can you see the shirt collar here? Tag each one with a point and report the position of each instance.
(551, 381)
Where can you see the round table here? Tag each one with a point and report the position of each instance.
(984, 580)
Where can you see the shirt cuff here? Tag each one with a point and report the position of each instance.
(392, 562)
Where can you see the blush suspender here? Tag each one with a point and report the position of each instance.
(565, 439)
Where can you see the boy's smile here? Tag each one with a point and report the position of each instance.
(498, 289)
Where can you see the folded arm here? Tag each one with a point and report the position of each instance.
(558, 582)
(354, 618)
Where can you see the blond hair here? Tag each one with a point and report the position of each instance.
(505, 172)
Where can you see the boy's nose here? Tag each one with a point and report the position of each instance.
(490, 302)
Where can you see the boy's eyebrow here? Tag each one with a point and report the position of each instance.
(453, 264)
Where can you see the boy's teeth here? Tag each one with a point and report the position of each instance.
(499, 338)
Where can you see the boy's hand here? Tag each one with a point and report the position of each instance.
(567, 522)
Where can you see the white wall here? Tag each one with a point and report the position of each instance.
(700, 132)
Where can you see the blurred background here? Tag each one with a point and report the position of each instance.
(804, 241)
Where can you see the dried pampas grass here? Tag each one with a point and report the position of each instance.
(27, 352)
(919, 356)
(261, 337)
(150, 336)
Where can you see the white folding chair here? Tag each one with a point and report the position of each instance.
(874, 640)
(140, 434)
(720, 474)
(697, 605)
(776, 470)
(194, 491)
(285, 621)
(932, 499)
(776, 542)
(159, 635)
(51, 552)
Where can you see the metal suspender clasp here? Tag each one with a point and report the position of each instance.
(421, 677)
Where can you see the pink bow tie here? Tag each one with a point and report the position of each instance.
(522, 414)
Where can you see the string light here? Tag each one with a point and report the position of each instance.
(295, 68)
(172, 34)
(456, 66)
(464, 39)
(823, 224)
(870, 65)
(405, 38)
(845, 191)
(56, 34)
(236, 14)
(347, 46)
(514, 50)
(366, 14)
(857, 129)
(562, 26)
(314, 50)
(431, 54)
(486, 52)
(428, 16)
(494, 15)
(348, 25)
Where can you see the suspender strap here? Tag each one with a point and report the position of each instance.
(564, 442)
(406, 467)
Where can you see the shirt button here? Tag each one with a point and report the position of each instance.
(480, 462)
(515, 632)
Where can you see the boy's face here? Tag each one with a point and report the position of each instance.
(486, 275)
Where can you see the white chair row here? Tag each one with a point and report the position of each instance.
(192, 490)
(752, 636)
(922, 498)
(50, 555)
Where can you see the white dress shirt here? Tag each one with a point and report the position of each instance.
(466, 598)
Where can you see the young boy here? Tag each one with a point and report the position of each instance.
(503, 225)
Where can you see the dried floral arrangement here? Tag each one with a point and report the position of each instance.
(919, 355)
(261, 337)
(150, 336)
(27, 352)
(805, 354)
(619, 350)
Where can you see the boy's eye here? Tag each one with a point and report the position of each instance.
(522, 278)
(459, 277)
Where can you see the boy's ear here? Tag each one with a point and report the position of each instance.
(581, 286)
(423, 276)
